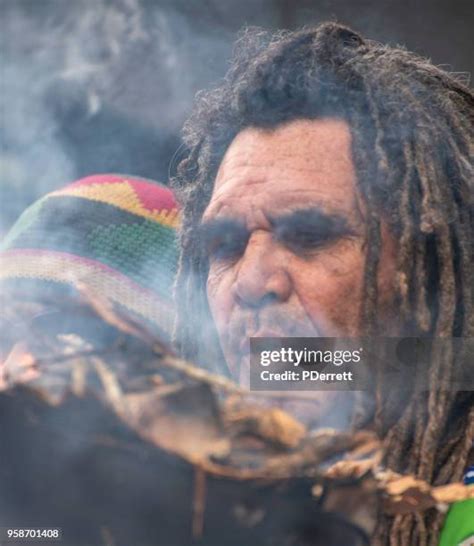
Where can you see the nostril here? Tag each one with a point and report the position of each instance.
(257, 303)
(268, 299)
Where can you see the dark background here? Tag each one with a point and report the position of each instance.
(95, 86)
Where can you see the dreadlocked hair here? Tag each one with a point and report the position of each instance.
(412, 146)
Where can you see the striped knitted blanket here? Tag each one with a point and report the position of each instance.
(114, 234)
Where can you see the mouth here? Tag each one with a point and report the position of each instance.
(293, 330)
(244, 345)
(242, 369)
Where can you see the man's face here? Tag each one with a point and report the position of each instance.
(285, 232)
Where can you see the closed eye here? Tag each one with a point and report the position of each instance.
(223, 239)
(309, 229)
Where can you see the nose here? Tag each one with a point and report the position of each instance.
(262, 277)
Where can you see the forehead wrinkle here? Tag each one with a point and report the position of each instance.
(271, 171)
(253, 175)
(232, 207)
(223, 196)
(271, 167)
(241, 187)
(274, 151)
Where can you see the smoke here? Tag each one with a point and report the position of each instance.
(96, 87)
(32, 159)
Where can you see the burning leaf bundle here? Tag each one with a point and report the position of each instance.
(109, 436)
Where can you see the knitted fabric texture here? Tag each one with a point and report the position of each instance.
(115, 235)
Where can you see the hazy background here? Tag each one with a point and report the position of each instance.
(91, 86)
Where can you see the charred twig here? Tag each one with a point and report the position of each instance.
(199, 502)
(406, 494)
(232, 435)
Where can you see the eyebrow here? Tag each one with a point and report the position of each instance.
(311, 218)
(215, 226)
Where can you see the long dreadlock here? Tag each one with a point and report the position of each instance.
(412, 145)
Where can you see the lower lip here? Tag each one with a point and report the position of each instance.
(244, 346)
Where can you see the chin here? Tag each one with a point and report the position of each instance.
(328, 409)
(318, 409)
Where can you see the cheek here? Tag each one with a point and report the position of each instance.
(219, 295)
(330, 289)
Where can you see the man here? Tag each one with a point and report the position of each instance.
(327, 190)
